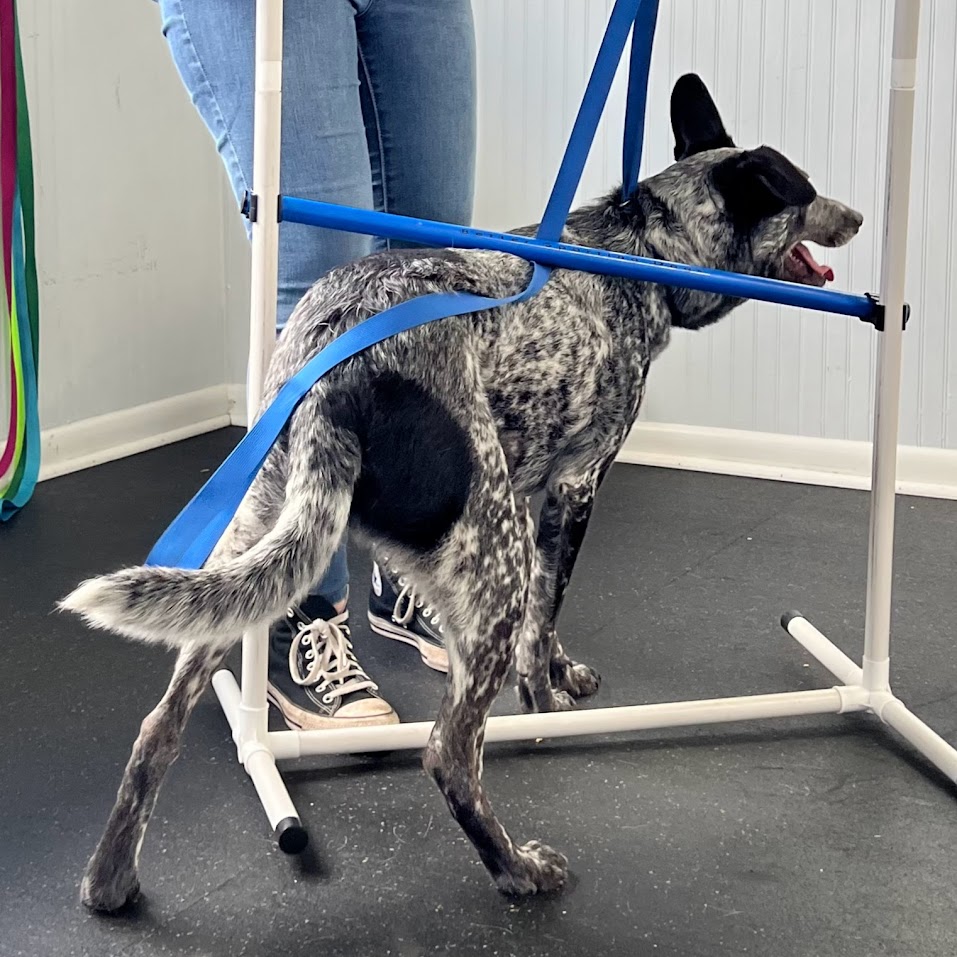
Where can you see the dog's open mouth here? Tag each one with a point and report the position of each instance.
(801, 266)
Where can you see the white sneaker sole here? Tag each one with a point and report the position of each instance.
(298, 719)
(435, 658)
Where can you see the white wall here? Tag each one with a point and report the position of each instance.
(130, 213)
(807, 76)
(144, 262)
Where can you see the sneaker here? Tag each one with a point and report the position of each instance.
(315, 681)
(397, 610)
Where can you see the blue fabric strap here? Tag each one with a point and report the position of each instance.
(191, 537)
(589, 114)
(642, 40)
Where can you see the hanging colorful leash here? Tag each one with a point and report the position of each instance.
(19, 317)
(188, 541)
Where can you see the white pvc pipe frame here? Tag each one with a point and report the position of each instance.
(861, 688)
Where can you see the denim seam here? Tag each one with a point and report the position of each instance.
(233, 156)
(378, 134)
(361, 13)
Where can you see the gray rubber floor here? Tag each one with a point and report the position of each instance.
(811, 837)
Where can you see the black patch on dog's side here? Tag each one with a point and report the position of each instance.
(416, 463)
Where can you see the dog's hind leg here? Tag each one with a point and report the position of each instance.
(548, 680)
(482, 580)
(111, 877)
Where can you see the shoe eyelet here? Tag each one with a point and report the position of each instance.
(327, 699)
(427, 612)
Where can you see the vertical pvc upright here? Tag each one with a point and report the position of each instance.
(877, 623)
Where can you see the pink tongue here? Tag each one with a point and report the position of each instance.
(805, 254)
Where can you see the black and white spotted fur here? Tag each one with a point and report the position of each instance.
(430, 445)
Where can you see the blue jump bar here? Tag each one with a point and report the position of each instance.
(567, 256)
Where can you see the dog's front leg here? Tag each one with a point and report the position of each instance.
(548, 680)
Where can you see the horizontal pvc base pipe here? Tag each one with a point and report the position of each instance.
(227, 690)
(286, 745)
(563, 724)
(889, 708)
(928, 742)
(260, 765)
(568, 256)
(822, 648)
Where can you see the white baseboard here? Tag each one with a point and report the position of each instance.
(236, 401)
(927, 472)
(105, 438)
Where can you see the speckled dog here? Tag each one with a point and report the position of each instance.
(430, 444)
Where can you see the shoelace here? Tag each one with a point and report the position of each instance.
(407, 593)
(332, 662)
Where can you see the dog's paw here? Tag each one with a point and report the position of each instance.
(543, 698)
(579, 681)
(562, 701)
(107, 893)
(537, 869)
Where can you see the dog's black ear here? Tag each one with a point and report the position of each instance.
(695, 120)
(760, 183)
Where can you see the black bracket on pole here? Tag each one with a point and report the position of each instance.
(250, 207)
(876, 318)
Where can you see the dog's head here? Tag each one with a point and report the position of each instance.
(751, 210)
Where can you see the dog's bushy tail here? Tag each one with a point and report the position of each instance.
(215, 604)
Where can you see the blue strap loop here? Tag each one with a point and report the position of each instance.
(191, 537)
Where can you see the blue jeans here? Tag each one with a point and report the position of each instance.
(378, 111)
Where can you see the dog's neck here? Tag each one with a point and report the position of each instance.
(649, 225)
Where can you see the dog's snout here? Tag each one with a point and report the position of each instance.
(831, 223)
(845, 232)
(853, 222)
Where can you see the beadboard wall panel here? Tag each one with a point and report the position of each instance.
(809, 77)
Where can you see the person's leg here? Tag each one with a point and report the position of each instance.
(324, 156)
(417, 72)
(323, 149)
